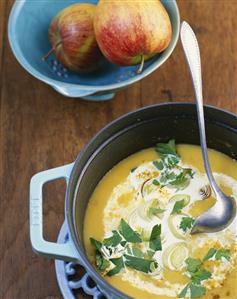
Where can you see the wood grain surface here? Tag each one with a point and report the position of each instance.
(41, 129)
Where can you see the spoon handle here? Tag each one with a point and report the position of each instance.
(192, 53)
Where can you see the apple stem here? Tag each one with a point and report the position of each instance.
(51, 51)
(139, 71)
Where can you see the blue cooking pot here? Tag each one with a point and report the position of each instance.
(125, 136)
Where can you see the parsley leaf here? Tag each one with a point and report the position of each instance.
(139, 264)
(133, 169)
(183, 293)
(172, 160)
(137, 252)
(182, 180)
(193, 264)
(186, 223)
(199, 275)
(169, 160)
(119, 265)
(101, 263)
(210, 254)
(159, 165)
(114, 240)
(196, 290)
(96, 244)
(155, 240)
(169, 177)
(166, 148)
(123, 243)
(128, 233)
(219, 254)
(129, 250)
(155, 182)
(223, 253)
(178, 206)
(150, 253)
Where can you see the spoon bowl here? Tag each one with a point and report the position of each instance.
(223, 212)
(216, 218)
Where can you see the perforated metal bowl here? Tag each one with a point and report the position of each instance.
(28, 35)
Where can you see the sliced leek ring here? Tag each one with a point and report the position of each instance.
(174, 228)
(133, 221)
(175, 255)
(178, 256)
(179, 197)
(140, 214)
(132, 218)
(148, 187)
(146, 233)
(143, 210)
(156, 272)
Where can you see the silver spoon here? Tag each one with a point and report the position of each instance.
(223, 212)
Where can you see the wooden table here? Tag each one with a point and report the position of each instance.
(41, 129)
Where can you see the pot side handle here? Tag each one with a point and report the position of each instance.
(63, 251)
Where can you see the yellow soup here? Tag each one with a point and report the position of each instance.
(159, 198)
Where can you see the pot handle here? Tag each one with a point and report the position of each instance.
(63, 251)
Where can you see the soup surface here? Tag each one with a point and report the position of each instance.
(138, 223)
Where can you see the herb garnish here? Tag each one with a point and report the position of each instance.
(137, 252)
(167, 148)
(182, 180)
(197, 273)
(150, 253)
(158, 164)
(217, 254)
(183, 293)
(186, 223)
(169, 160)
(210, 254)
(200, 275)
(155, 182)
(123, 249)
(195, 291)
(119, 265)
(114, 240)
(133, 169)
(225, 253)
(155, 240)
(100, 262)
(96, 244)
(140, 264)
(193, 264)
(128, 233)
(178, 206)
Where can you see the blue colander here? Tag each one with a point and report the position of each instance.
(28, 35)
